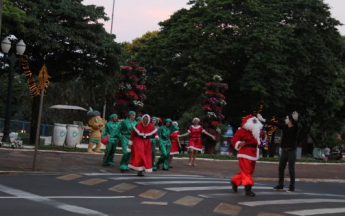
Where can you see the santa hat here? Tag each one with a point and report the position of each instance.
(245, 119)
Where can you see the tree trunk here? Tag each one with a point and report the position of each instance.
(34, 117)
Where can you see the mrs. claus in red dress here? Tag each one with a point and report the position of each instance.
(140, 145)
(246, 141)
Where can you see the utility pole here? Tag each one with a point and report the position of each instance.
(111, 32)
(1, 9)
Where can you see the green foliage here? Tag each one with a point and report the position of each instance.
(69, 38)
(186, 119)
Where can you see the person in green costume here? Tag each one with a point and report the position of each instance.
(154, 142)
(138, 119)
(126, 128)
(111, 129)
(164, 144)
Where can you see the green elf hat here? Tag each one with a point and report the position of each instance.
(138, 118)
(168, 120)
(130, 113)
(112, 116)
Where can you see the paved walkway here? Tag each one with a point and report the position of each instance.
(21, 160)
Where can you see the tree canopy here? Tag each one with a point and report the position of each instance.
(287, 54)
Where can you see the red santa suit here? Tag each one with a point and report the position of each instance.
(195, 137)
(140, 144)
(174, 149)
(249, 153)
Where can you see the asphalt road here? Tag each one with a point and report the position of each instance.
(163, 193)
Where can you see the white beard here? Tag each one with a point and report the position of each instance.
(255, 128)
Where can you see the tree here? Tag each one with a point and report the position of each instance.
(285, 53)
(68, 37)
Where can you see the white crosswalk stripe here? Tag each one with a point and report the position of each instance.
(289, 202)
(181, 182)
(179, 189)
(323, 211)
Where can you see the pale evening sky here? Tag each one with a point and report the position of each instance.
(133, 18)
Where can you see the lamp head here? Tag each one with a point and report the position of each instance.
(5, 45)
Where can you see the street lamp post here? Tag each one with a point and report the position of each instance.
(14, 58)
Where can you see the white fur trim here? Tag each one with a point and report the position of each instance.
(192, 147)
(142, 168)
(197, 119)
(129, 150)
(174, 153)
(130, 142)
(237, 144)
(144, 135)
(157, 137)
(203, 131)
(195, 127)
(249, 157)
(148, 170)
(189, 131)
(146, 115)
(136, 168)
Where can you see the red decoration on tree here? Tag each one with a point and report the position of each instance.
(131, 91)
(213, 105)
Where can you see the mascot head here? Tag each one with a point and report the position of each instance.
(252, 124)
(95, 121)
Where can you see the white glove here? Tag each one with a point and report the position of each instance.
(259, 116)
(295, 116)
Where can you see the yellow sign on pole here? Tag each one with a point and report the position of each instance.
(43, 77)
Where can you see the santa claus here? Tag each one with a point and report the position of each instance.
(246, 141)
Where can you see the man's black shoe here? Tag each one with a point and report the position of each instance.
(234, 186)
(249, 191)
(278, 187)
(140, 173)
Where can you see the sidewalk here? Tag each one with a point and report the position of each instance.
(16, 161)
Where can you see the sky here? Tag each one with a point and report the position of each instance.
(133, 18)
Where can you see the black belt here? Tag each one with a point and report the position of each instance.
(250, 146)
(146, 137)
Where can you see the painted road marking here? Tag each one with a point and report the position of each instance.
(181, 182)
(268, 214)
(324, 211)
(227, 209)
(179, 189)
(166, 177)
(134, 174)
(122, 187)
(47, 201)
(69, 177)
(93, 181)
(228, 194)
(70, 197)
(189, 201)
(291, 201)
(153, 194)
(155, 203)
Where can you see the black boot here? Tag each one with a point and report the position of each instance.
(249, 191)
(234, 186)
(140, 173)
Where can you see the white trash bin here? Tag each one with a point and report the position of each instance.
(59, 136)
(72, 135)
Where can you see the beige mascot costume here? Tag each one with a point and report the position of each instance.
(95, 127)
